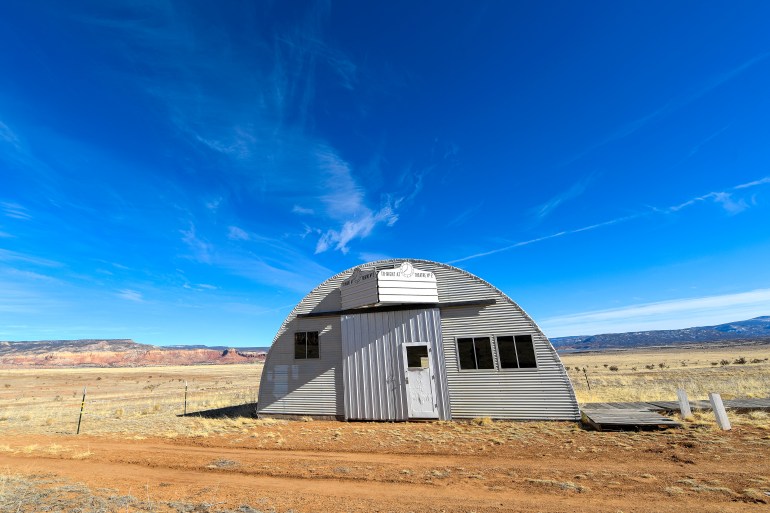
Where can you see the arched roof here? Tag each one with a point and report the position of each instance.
(384, 264)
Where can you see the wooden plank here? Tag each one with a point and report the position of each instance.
(684, 404)
(719, 411)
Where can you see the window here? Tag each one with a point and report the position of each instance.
(475, 353)
(417, 357)
(306, 345)
(516, 352)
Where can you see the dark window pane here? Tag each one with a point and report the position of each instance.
(300, 351)
(417, 356)
(465, 353)
(313, 350)
(507, 351)
(526, 351)
(484, 353)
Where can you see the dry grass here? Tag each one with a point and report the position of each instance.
(655, 374)
(31, 494)
(146, 402)
(140, 401)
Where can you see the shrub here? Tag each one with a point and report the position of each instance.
(649, 366)
(724, 362)
(739, 361)
(613, 368)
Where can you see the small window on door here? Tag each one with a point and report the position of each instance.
(516, 352)
(475, 353)
(417, 357)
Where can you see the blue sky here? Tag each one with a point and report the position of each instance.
(184, 172)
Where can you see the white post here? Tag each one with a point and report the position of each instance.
(684, 404)
(719, 411)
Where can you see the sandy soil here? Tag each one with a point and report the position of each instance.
(452, 467)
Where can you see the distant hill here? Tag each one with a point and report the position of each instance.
(756, 330)
(118, 353)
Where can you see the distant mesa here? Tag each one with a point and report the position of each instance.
(756, 330)
(118, 353)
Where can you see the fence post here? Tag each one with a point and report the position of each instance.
(185, 399)
(684, 404)
(719, 411)
(586, 375)
(82, 406)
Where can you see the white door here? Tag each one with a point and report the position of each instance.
(420, 381)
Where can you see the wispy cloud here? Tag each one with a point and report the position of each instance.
(202, 249)
(548, 237)
(9, 137)
(672, 314)
(302, 210)
(21, 297)
(373, 257)
(6, 255)
(345, 201)
(130, 295)
(695, 149)
(235, 233)
(251, 104)
(724, 199)
(213, 204)
(268, 261)
(15, 211)
(465, 215)
(541, 211)
(670, 107)
(761, 181)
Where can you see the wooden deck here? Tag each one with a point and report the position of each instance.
(614, 418)
(637, 415)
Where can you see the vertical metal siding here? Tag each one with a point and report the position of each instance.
(541, 393)
(372, 362)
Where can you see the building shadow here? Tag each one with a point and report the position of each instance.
(239, 410)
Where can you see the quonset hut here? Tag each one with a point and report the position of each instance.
(412, 339)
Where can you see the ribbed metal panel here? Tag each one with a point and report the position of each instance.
(541, 393)
(373, 365)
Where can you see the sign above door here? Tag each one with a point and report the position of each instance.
(401, 284)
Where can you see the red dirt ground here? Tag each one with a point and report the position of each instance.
(432, 467)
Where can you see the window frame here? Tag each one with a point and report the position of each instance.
(306, 357)
(492, 353)
(516, 349)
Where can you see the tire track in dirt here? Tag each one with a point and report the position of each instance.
(169, 471)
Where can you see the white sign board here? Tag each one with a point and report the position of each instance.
(405, 284)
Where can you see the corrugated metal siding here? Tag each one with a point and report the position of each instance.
(542, 393)
(373, 366)
(363, 291)
(303, 387)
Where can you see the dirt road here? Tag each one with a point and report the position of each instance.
(453, 467)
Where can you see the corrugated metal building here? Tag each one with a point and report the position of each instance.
(413, 339)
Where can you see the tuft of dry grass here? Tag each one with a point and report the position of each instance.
(482, 421)
(564, 485)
